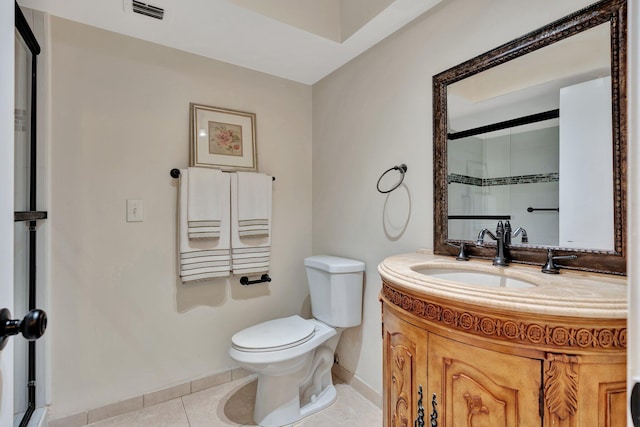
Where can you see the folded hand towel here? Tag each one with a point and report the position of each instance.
(254, 191)
(250, 269)
(205, 205)
(250, 260)
(251, 250)
(202, 259)
(250, 223)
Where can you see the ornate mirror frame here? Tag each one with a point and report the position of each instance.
(612, 11)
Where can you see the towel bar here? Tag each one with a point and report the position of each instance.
(244, 280)
(175, 173)
(530, 209)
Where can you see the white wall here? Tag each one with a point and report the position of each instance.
(354, 14)
(321, 18)
(376, 112)
(121, 323)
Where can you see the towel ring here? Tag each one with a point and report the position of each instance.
(402, 168)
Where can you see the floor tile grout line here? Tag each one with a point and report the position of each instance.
(184, 409)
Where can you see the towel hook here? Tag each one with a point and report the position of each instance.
(401, 168)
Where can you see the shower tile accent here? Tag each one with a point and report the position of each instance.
(464, 179)
(506, 180)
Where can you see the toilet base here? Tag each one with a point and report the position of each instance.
(291, 411)
(320, 402)
(284, 399)
(290, 389)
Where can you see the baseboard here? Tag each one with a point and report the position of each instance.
(148, 399)
(153, 398)
(358, 385)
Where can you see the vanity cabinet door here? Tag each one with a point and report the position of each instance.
(582, 393)
(481, 388)
(405, 368)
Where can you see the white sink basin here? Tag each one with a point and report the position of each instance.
(478, 278)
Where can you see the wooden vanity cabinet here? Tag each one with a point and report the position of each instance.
(483, 381)
(473, 386)
(404, 368)
(479, 387)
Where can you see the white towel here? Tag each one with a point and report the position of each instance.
(250, 241)
(254, 192)
(202, 259)
(251, 250)
(205, 209)
(239, 201)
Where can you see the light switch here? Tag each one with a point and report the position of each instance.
(134, 211)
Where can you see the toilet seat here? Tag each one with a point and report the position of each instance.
(274, 335)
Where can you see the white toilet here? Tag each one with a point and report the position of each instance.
(293, 356)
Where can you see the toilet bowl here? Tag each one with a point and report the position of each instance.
(293, 356)
(293, 377)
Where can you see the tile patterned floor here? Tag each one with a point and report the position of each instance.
(231, 404)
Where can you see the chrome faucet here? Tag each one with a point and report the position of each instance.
(520, 230)
(508, 235)
(550, 266)
(500, 259)
(462, 254)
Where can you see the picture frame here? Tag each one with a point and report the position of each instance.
(222, 139)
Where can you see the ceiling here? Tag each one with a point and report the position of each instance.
(299, 40)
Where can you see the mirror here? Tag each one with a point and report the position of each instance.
(534, 133)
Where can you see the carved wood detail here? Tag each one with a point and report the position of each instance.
(401, 385)
(475, 407)
(561, 385)
(507, 329)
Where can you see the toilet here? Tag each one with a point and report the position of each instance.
(293, 356)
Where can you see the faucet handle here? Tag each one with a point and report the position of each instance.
(462, 255)
(550, 267)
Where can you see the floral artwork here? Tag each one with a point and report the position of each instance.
(225, 139)
(222, 139)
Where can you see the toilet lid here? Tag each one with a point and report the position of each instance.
(275, 334)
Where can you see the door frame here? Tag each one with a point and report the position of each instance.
(633, 217)
(7, 78)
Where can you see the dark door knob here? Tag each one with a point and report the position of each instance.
(635, 404)
(31, 327)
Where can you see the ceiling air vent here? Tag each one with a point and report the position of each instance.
(148, 10)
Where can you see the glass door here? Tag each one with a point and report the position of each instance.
(22, 137)
(27, 217)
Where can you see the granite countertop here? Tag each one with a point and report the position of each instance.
(569, 293)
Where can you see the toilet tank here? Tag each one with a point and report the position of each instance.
(335, 285)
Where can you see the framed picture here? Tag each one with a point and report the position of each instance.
(223, 139)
